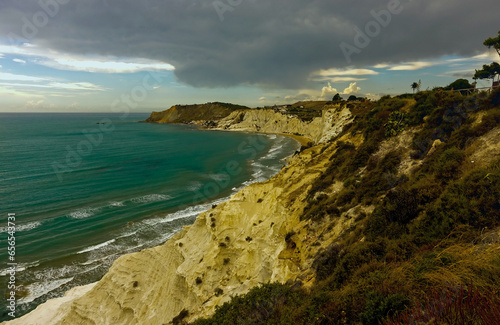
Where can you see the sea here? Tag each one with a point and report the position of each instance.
(83, 189)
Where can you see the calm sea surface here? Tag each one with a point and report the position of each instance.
(85, 193)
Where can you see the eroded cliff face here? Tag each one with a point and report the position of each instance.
(238, 118)
(319, 130)
(255, 237)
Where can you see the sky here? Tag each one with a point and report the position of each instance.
(144, 55)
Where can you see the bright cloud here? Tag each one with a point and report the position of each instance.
(8, 91)
(348, 72)
(410, 66)
(18, 77)
(103, 66)
(372, 96)
(381, 66)
(75, 86)
(352, 89)
(486, 56)
(338, 79)
(303, 95)
(328, 91)
(57, 85)
(56, 60)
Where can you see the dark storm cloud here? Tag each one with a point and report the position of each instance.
(276, 43)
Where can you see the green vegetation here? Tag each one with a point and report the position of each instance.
(337, 98)
(428, 251)
(489, 71)
(492, 70)
(493, 42)
(307, 111)
(424, 243)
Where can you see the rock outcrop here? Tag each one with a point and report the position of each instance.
(319, 130)
(268, 120)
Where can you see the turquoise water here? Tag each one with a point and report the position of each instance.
(86, 193)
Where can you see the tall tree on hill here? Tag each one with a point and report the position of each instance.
(414, 86)
(490, 71)
(493, 42)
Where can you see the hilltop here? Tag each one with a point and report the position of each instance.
(188, 113)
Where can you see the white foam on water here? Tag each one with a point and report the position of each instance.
(20, 267)
(134, 248)
(83, 213)
(128, 234)
(39, 289)
(275, 150)
(151, 198)
(92, 248)
(89, 262)
(23, 227)
(116, 204)
(184, 213)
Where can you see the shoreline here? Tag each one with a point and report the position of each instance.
(48, 310)
(304, 141)
(299, 138)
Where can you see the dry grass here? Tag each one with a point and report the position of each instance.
(453, 266)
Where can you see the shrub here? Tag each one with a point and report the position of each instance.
(354, 257)
(449, 163)
(379, 306)
(324, 264)
(453, 306)
(261, 305)
(396, 124)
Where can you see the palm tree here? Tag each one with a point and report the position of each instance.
(414, 86)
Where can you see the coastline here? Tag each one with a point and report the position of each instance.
(299, 138)
(304, 141)
(50, 310)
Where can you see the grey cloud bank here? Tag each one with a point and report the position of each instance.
(274, 43)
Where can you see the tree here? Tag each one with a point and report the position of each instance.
(351, 98)
(414, 86)
(459, 84)
(492, 70)
(336, 98)
(489, 71)
(493, 42)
